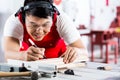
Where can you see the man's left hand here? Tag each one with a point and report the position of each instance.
(69, 55)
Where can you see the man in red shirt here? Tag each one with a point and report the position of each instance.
(39, 20)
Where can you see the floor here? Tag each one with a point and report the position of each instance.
(111, 57)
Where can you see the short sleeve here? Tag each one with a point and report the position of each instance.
(66, 29)
(13, 28)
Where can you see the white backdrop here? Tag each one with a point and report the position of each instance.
(7, 7)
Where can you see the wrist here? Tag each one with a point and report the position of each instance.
(82, 54)
(81, 51)
(23, 56)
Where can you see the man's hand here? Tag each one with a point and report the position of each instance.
(69, 55)
(34, 53)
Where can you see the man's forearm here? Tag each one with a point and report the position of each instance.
(16, 55)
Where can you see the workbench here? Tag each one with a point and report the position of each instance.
(89, 72)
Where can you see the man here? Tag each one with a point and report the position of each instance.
(54, 34)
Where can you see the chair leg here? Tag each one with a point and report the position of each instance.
(116, 53)
(92, 54)
(101, 49)
(107, 60)
(118, 46)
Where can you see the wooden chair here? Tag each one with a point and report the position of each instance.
(101, 38)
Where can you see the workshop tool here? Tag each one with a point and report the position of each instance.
(33, 75)
(87, 72)
(8, 70)
(104, 68)
(42, 68)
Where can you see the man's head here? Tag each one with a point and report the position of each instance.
(38, 19)
(37, 27)
(37, 15)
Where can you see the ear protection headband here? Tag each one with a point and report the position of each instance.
(35, 4)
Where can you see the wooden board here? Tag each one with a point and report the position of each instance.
(58, 62)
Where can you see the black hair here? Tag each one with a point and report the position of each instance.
(39, 12)
(38, 8)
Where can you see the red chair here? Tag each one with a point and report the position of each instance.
(101, 38)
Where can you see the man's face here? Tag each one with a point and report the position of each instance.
(37, 27)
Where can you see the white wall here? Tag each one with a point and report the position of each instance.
(10, 5)
(103, 15)
(82, 9)
(78, 10)
(7, 7)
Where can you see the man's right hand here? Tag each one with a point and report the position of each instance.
(34, 53)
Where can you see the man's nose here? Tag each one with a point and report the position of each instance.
(39, 29)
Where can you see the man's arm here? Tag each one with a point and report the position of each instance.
(11, 49)
(12, 46)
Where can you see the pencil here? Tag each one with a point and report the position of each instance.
(33, 44)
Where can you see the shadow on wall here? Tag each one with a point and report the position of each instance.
(3, 18)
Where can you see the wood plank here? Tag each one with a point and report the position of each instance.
(58, 62)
